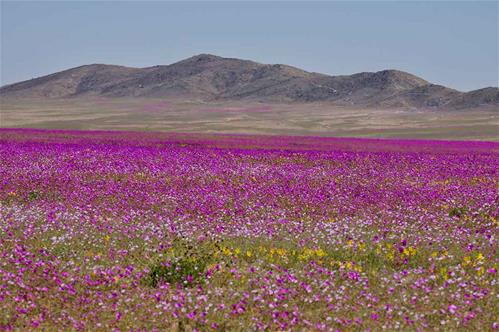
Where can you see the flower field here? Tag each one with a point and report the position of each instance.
(156, 231)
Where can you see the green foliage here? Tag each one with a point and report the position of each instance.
(457, 211)
(185, 272)
(32, 195)
(184, 265)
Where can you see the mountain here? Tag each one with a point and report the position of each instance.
(208, 77)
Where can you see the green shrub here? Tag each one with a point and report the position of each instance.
(186, 272)
(32, 195)
(457, 211)
(185, 264)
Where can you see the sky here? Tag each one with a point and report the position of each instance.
(454, 43)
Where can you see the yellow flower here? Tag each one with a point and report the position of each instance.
(467, 260)
(410, 251)
(107, 238)
(434, 254)
(320, 253)
(248, 253)
(443, 272)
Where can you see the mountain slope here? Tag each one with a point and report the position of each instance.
(208, 77)
(72, 82)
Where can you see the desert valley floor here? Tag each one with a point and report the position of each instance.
(316, 119)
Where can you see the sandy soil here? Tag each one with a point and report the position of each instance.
(280, 119)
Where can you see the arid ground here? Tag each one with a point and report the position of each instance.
(318, 119)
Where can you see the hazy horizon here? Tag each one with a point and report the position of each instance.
(448, 43)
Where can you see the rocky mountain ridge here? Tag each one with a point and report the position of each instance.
(213, 78)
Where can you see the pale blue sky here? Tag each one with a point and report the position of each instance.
(451, 43)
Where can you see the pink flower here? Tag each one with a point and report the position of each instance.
(354, 275)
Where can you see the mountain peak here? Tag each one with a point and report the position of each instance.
(393, 75)
(204, 57)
